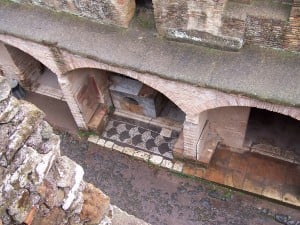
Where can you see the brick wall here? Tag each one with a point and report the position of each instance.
(8, 66)
(265, 32)
(230, 124)
(28, 68)
(66, 88)
(292, 36)
(191, 99)
(38, 185)
(105, 11)
(196, 22)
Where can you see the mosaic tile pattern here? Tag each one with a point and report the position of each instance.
(140, 135)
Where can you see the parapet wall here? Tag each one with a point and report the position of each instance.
(38, 185)
(225, 24)
(114, 12)
(292, 36)
(196, 22)
(230, 24)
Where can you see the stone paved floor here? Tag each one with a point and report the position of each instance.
(141, 136)
(257, 174)
(164, 198)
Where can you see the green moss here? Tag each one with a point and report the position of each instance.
(147, 24)
(85, 133)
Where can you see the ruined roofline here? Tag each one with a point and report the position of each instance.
(223, 24)
(268, 75)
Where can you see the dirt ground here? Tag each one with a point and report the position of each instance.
(164, 198)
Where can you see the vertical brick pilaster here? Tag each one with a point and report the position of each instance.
(7, 65)
(70, 99)
(292, 36)
(192, 128)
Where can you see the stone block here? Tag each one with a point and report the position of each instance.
(156, 159)
(95, 205)
(198, 22)
(178, 166)
(5, 89)
(109, 144)
(101, 142)
(234, 179)
(252, 186)
(129, 151)
(291, 198)
(142, 155)
(167, 164)
(118, 148)
(200, 172)
(113, 12)
(166, 132)
(135, 97)
(215, 175)
(188, 170)
(9, 111)
(93, 139)
(272, 192)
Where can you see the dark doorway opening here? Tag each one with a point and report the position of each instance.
(144, 4)
(273, 134)
(133, 96)
(145, 14)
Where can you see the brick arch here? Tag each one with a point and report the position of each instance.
(154, 82)
(39, 52)
(241, 101)
(190, 99)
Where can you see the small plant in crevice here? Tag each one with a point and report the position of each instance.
(111, 109)
(85, 133)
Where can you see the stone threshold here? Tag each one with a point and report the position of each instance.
(276, 152)
(175, 165)
(160, 122)
(192, 170)
(50, 92)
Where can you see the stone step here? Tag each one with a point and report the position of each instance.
(97, 122)
(178, 147)
(159, 121)
(205, 155)
(50, 92)
(206, 146)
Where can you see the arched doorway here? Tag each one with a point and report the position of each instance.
(274, 135)
(40, 84)
(145, 14)
(144, 118)
(258, 151)
(126, 111)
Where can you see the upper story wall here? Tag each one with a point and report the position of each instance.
(116, 12)
(229, 24)
(225, 24)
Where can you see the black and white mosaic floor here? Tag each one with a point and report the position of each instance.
(129, 132)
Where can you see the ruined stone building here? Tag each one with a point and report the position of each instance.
(38, 185)
(221, 73)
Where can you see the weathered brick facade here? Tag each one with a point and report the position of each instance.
(109, 11)
(196, 21)
(194, 101)
(212, 112)
(230, 24)
(222, 24)
(292, 35)
(38, 185)
(265, 32)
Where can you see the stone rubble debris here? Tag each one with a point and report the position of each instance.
(37, 184)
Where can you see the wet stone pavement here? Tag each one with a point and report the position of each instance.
(164, 198)
(146, 137)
